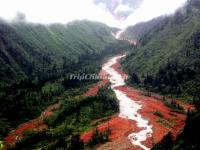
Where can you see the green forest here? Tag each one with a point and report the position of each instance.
(65, 126)
(167, 61)
(37, 60)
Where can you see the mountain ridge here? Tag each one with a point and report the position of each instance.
(25, 44)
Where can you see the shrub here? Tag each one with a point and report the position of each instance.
(158, 113)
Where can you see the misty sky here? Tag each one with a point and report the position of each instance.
(118, 13)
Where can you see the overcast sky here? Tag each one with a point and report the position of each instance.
(118, 13)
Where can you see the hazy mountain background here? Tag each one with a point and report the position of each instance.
(116, 13)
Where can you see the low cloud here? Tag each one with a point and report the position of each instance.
(150, 9)
(120, 9)
(20, 16)
(118, 13)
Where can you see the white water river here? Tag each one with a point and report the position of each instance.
(129, 109)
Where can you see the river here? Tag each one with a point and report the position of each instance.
(129, 108)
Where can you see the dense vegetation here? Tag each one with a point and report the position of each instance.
(167, 60)
(38, 52)
(136, 31)
(83, 110)
(36, 62)
(74, 118)
(188, 139)
(99, 137)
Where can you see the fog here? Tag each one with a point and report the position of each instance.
(117, 13)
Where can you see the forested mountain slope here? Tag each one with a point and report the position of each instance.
(167, 57)
(135, 32)
(34, 50)
(167, 60)
(36, 62)
(174, 38)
